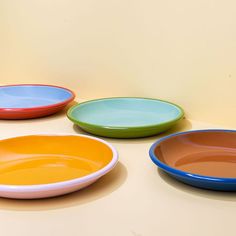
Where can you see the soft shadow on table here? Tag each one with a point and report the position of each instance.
(46, 118)
(210, 194)
(78, 130)
(103, 187)
(183, 125)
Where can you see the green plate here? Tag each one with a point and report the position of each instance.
(125, 117)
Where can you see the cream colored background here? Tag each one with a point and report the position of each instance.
(183, 51)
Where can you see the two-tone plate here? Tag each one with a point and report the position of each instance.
(202, 158)
(25, 101)
(125, 117)
(39, 166)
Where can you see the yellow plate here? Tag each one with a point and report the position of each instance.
(44, 161)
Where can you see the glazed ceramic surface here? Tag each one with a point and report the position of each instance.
(31, 101)
(39, 166)
(125, 117)
(202, 158)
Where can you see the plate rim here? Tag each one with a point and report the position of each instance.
(171, 170)
(70, 117)
(28, 109)
(72, 182)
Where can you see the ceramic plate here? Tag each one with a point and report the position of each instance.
(125, 117)
(40, 166)
(202, 158)
(26, 101)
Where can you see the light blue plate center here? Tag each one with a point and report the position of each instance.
(28, 96)
(126, 112)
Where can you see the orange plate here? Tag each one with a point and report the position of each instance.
(202, 158)
(44, 161)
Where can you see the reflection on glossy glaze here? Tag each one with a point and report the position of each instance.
(209, 163)
(202, 153)
(48, 159)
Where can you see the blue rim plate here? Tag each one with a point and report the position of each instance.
(194, 179)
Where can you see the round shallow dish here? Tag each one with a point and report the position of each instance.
(39, 166)
(125, 117)
(25, 101)
(202, 158)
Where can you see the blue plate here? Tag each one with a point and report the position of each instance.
(30, 101)
(201, 158)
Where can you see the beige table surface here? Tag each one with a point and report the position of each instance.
(135, 199)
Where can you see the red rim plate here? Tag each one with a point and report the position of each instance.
(37, 111)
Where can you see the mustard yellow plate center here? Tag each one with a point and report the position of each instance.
(45, 159)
